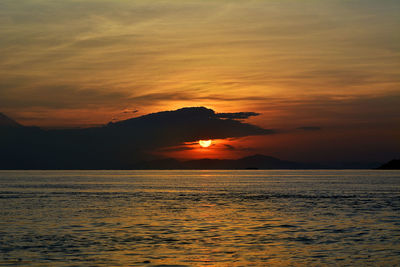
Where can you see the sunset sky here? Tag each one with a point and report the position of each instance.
(325, 75)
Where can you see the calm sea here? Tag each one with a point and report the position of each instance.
(199, 218)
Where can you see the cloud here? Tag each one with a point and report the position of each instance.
(61, 96)
(229, 147)
(188, 124)
(130, 111)
(175, 149)
(309, 128)
(162, 55)
(237, 115)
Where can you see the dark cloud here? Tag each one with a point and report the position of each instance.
(116, 145)
(175, 149)
(309, 128)
(129, 111)
(237, 115)
(190, 124)
(124, 113)
(229, 147)
(233, 148)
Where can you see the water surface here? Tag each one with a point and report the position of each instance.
(199, 218)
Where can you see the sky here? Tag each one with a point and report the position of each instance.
(325, 75)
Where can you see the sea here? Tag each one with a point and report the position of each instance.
(200, 218)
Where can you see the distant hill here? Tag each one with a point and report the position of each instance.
(7, 122)
(391, 165)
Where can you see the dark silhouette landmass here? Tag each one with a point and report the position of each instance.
(7, 122)
(116, 145)
(391, 165)
(126, 144)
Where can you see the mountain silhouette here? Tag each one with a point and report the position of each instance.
(391, 165)
(7, 122)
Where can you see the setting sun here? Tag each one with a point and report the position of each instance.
(205, 143)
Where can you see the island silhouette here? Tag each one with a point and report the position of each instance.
(391, 165)
(126, 144)
(116, 145)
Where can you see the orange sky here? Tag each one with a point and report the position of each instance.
(330, 64)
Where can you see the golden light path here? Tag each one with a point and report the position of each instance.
(205, 143)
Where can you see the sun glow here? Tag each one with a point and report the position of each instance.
(205, 143)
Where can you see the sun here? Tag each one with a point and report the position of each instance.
(205, 143)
